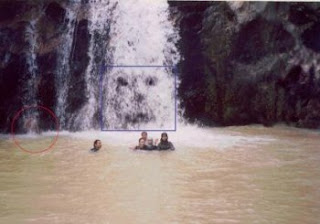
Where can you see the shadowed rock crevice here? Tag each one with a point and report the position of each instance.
(311, 37)
(79, 60)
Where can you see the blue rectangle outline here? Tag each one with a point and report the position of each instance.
(103, 68)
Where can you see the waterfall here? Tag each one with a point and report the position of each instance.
(99, 16)
(31, 64)
(117, 33)
(140, 34)
(63, 71)
(31, 79)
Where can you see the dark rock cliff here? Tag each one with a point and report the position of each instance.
(249, 62)
(33, 35)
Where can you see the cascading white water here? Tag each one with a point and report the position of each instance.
(30, 86)
(30, 37)
(129, 33)
(140, 35)
(62, 79)
(99, 17)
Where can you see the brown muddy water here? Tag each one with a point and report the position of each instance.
(243, 175)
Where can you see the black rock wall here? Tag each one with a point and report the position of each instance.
(79, 61)
(38, 29)
(192, 86)
(249, 62)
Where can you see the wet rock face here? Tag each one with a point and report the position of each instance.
(311, 37)
(260, 38)
(32, 34)
(10, 9)
(9, 102)
(250, 62)
(50, 27)
(46, 87)
(79, 61)
(13, 69)
(192, 86)
(301, 13)
(55, 12)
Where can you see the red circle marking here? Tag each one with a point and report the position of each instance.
(37, 107)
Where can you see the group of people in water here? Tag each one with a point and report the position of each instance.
(145, 143)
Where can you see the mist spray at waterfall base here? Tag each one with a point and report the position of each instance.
(34, 120)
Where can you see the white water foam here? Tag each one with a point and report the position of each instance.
(140, 34)
(189, 136)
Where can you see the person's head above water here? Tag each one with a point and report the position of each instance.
(144, 135)
(97, 144)
(150, 141)
(164, 137)
(141, 142)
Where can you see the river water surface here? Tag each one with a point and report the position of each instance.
(221, 175)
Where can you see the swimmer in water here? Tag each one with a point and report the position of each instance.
(142, 145)
(96, 146)
(150, 145)
(144, 136)
(164, 143)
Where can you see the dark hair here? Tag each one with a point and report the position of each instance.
(95, 142)
(140, 139)
(164, 133)
(144, 132)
